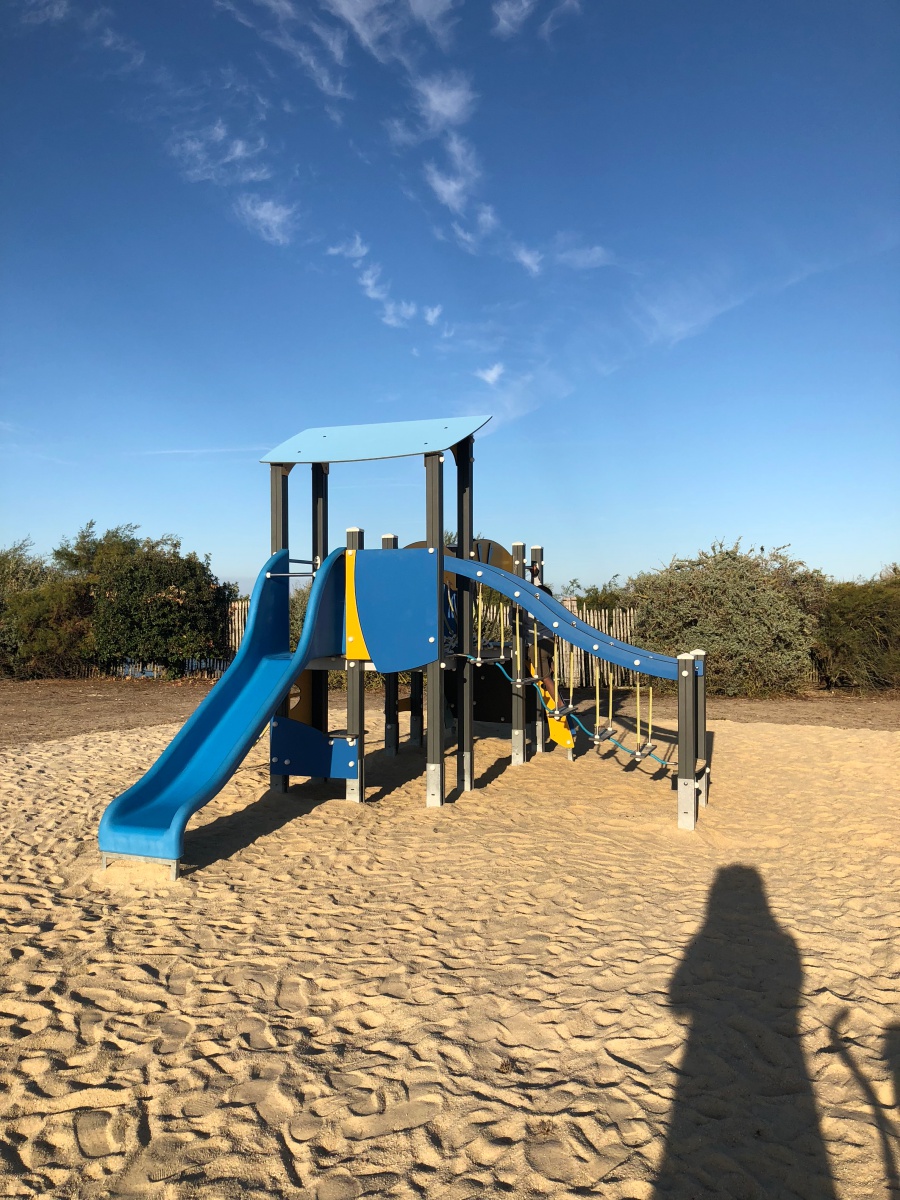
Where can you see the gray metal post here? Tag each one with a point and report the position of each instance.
(519, 669)
(687, 742)
(319, 552)
(465, 670)
(416, 708)
(702, 746)
(390, 541)
(434, 723)
(278, 476)
(356, 702)
(540, 721)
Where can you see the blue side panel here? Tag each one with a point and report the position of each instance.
(558, 618)
(298, 749)
(150, 818)
(397, 598)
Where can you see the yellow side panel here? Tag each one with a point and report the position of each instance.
(559, 726)
(301, 698)
(356, 644)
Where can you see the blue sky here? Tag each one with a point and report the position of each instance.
(659, 242)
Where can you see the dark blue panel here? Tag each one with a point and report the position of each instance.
(298, 749)
(397, 599)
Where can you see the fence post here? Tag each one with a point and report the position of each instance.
(687, 742)
(390, 541)
(356, 701)
(278, 476)
(702, 737)
(519, 752)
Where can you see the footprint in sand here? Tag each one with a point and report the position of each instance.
(97, 1134)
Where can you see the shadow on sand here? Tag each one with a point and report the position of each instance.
(744, 1122)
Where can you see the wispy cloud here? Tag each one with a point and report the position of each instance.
(530, 259)
(272, 221)
(211, 154)
(673, 310)
(397, 313)
(556, 15)
(443, 100)
(490, 375)
(433, 14)
(431, 315)
(584, 258)
(354, 248)
(374, 23)
(511, 15)
(454, 186)
(370, 282)
(45, 12)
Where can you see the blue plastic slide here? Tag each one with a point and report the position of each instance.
(150, 818)
(556, 617)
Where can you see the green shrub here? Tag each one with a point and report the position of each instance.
(111, 597)
(858, 643)
(753, 612)
(20, 571)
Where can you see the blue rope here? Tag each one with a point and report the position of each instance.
(662, 762)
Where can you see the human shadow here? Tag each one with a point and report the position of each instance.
(744, 1121)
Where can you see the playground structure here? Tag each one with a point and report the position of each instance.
(384, 610)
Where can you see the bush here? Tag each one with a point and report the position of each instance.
(113, 597)
(20, 571)
(754, 613)
(858, 644)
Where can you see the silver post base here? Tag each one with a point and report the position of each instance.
(703, 789)
(279, 783)
(391, 740)
(687, 804)
(519, 755)
(465, 776)
(434, 785)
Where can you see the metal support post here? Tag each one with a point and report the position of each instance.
(465, 670)
(434, 724)
(319, 552)
(687, 742)
(519, 667)
(702, 741)
(416, 708)
(356, 701)
(278, 476)
(540, 721)
(390, 541)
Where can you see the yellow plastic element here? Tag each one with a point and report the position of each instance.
(300, 699)
(355, 647)
(559, 726)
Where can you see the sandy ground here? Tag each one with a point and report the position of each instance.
(543, 989)
(44, 710)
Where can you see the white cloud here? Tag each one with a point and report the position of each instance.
(398, 312)
(334, 40)
(369, 281)
(444, 100)
(431, 314)
(674, 310)
(355, 249)
(44, 12)
(490, 375)
(433, 15)
(530, 259)
(373, 22)
(584, 258)
(211, 154)
(511, 15)
(303, 54)
(453, 188)
(273, 222)
(465, 240)
(556, 15)
(487, 219)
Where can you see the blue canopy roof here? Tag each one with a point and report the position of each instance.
(390, 439)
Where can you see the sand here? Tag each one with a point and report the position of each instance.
(542, 990)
